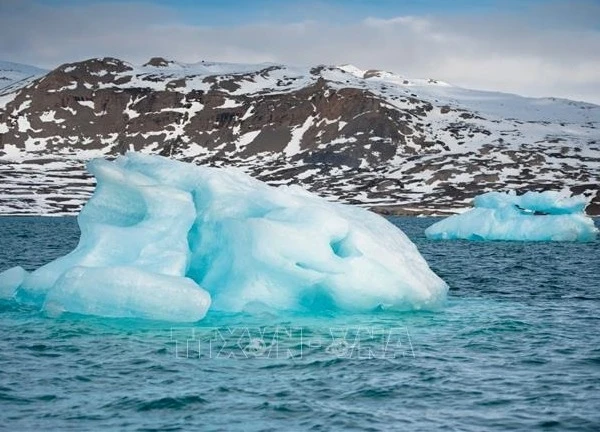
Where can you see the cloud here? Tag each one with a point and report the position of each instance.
(551, 49)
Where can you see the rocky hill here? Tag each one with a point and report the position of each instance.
(366, 137)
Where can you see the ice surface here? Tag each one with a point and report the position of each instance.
(533, 216)
(549, 202)
(10, 280)
(127, 292)
(167, 240)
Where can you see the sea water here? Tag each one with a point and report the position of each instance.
(516, 347)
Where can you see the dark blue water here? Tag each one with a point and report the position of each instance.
(516, 348)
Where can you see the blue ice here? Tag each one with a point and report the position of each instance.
(533, 216)
(167, 240)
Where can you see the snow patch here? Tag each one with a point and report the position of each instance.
(86, 103)
(298, 132)
(245, 139)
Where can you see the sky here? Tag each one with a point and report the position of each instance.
(530, 47)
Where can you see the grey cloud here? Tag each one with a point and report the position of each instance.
(551, 50)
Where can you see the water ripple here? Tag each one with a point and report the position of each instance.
(515, 348)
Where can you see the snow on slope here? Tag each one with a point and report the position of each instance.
(14, 76)
(502, 105)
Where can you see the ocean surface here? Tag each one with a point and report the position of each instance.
(517, 347)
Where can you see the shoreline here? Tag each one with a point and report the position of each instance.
(380, 210)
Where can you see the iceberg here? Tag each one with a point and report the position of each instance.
(533, 216)
(167, 240)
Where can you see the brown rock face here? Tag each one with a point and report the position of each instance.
(157, 62)
(360, 139)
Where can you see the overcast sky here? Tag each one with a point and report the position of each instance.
(530, 47)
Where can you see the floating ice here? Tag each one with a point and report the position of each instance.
(167, 240)
(127, 291)
(533, 216)
(10, 280)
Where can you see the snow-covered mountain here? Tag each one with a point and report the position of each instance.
(15, 75)
(371, 137)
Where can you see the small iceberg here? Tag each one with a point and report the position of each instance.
(533, 216)
(168, 240)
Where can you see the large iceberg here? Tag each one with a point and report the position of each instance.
(168, 240)
(533, 216)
